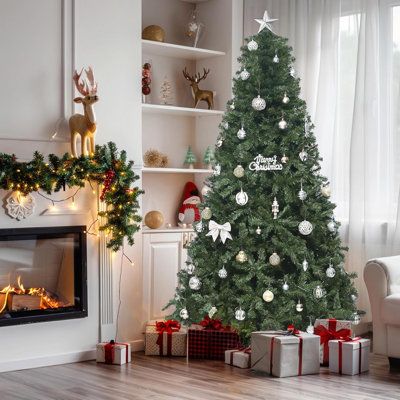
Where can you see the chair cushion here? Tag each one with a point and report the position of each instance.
(390, 309)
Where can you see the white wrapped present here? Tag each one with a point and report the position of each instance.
(113, 353)
(349, 357)
(238, 357)
(281, 354)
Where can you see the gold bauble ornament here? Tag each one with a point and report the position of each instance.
(153, 32)
(268, 296)
(274, 259)
(241, 256)
(206, 213)
(238, 171)
(154, 219)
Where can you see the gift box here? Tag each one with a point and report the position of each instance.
(350, 356)
(330, 329)
(210, 339)
(282, 354)
(239, 357)
(113, 353)
(165, 338)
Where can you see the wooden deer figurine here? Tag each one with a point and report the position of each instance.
(84, 125)
(198, 94)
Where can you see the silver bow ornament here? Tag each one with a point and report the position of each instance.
(222, 231)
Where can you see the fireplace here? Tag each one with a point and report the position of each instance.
(42, 274)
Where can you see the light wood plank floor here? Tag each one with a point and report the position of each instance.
(157, 378)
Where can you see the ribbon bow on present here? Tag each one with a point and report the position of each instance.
(330, 334)
(219, 230)
(292, 330)
(169, 327)
(212, 324)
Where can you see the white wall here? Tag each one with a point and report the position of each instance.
(35, 97)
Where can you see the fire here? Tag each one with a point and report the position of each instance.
(46, 299)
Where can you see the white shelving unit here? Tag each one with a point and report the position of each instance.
(179, 111)
(147, 170)
(178, 51)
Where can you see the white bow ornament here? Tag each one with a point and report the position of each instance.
(219, 230)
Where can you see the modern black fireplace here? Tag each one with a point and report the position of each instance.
(43, 274)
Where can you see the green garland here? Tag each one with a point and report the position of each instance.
(106, 165)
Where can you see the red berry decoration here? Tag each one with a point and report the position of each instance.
(146, 90)
(110, 175)
(146, 79)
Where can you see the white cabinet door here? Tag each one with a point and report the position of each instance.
(163, 256)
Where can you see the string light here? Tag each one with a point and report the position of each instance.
(130, 261)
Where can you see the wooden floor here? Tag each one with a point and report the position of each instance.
(154, 378)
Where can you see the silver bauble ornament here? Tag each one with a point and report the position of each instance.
(199, 227)
(285, 287)
(232, 106)
(223, 273)
(302, 195)
(268, 296)
(282, 124)
(242, 198)
(354, 297)
(285, 99)
(212, 312)
(292, 72)
(240, 315)
(303, 155)
(331, 226)
(190, 269)
(305, 227)
(310, 329)
(330, 272)
(244, 75)
(238, 171)
(241, 256)
(241, 133)
(220, 141)
(252, 45)
(274, 259)
(206, 213)
(205, 190)
(304, 264)
(184, 313)
(217, 170)
(284, 159)
(275, 59)
(258, 103)
(299, 307)
(258, 230)
(356, 319)
(319, 292)
(326, 191)
(225, 125)
(194, 283)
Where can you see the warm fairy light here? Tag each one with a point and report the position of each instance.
(73, 205)
(53, 206)
(93, 191)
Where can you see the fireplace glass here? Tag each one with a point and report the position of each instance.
(42, 274)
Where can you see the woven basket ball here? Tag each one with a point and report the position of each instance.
(153, 32)
(154, 219)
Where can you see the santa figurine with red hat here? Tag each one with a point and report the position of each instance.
(189, 212)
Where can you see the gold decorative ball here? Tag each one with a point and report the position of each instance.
(154, 219)
(268, 296)
(153, 32)
(241, 256)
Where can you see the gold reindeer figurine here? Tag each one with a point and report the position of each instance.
(84, 125)
(198, 94)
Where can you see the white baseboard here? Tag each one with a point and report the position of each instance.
(58, 359)
(137, 345)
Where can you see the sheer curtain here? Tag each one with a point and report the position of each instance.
(348, 59)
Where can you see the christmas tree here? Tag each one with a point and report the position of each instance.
(208, 157)
(267, 252)
(190, 158)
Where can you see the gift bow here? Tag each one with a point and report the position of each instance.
(212, 324)
(329, 334)
(292, 330)
(219, 230)
(168, 326)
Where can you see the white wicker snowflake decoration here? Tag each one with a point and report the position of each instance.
(19, 206)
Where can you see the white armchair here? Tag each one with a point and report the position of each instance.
(382, 277)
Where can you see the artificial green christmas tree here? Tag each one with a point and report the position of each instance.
(270, 254)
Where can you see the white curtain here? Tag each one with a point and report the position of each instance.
(348, 62)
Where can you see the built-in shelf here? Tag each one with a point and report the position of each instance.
(174, 229)
(183, 111)
(178, 51)
(149, 170)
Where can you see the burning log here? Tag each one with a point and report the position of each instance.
(3, 302)
(23, 302)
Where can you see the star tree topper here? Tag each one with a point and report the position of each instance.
(265, 22)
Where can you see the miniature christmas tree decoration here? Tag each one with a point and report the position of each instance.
(190, 158)
(208, 158)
